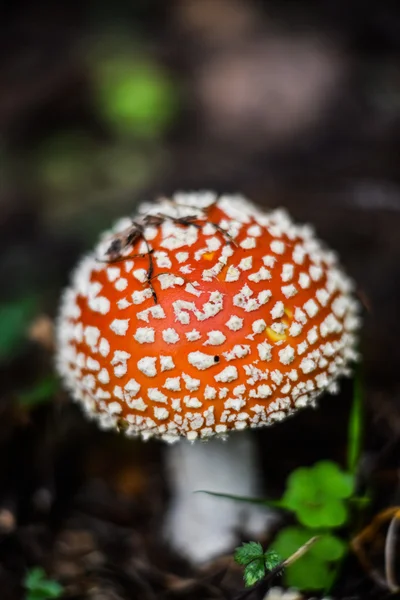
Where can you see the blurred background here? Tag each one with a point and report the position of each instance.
(105, 104)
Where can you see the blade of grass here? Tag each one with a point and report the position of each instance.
(261, 501)
(355, 428)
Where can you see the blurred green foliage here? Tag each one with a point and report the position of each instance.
(64, 162)
(83, 176)
(134, 98)
(15, 317)
(42, 392)
(39, 588)
(79, 169)
(73, 166)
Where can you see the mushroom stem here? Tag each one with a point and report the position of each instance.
(201, 526)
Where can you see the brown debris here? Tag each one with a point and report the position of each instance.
(41, 331)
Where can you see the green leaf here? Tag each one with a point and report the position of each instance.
(248, 552)
(329, 547)
(36, 595)
(34, 578)
(40, 393)
(312, 571)
(310, 515)
(301, 485)
(331, 513)
(315, 494)
(272, 559)
(308, 573)
(256, 562)
(290, 539)
(262, 501)
(40, 588)
(254, 571)
(355, 427)
(53, 589)
(332, 480)
(334, 513)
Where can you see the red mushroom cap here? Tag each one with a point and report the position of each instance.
(229, 318)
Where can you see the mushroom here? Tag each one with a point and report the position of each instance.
(202, 317)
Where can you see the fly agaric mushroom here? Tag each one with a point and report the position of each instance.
(202, 316)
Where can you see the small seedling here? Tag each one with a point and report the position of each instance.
(256, 562)
(38, 587)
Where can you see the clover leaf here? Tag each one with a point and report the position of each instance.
(329, 547)
(316, 494)
(313, 571)
(308, 573)
(334, 481)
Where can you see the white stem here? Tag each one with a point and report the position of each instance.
(200, 526)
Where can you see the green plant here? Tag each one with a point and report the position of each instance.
(320, 498)
(256, 562)
(317, 495)
(316, 569)
(39, 588)
(355, 426)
